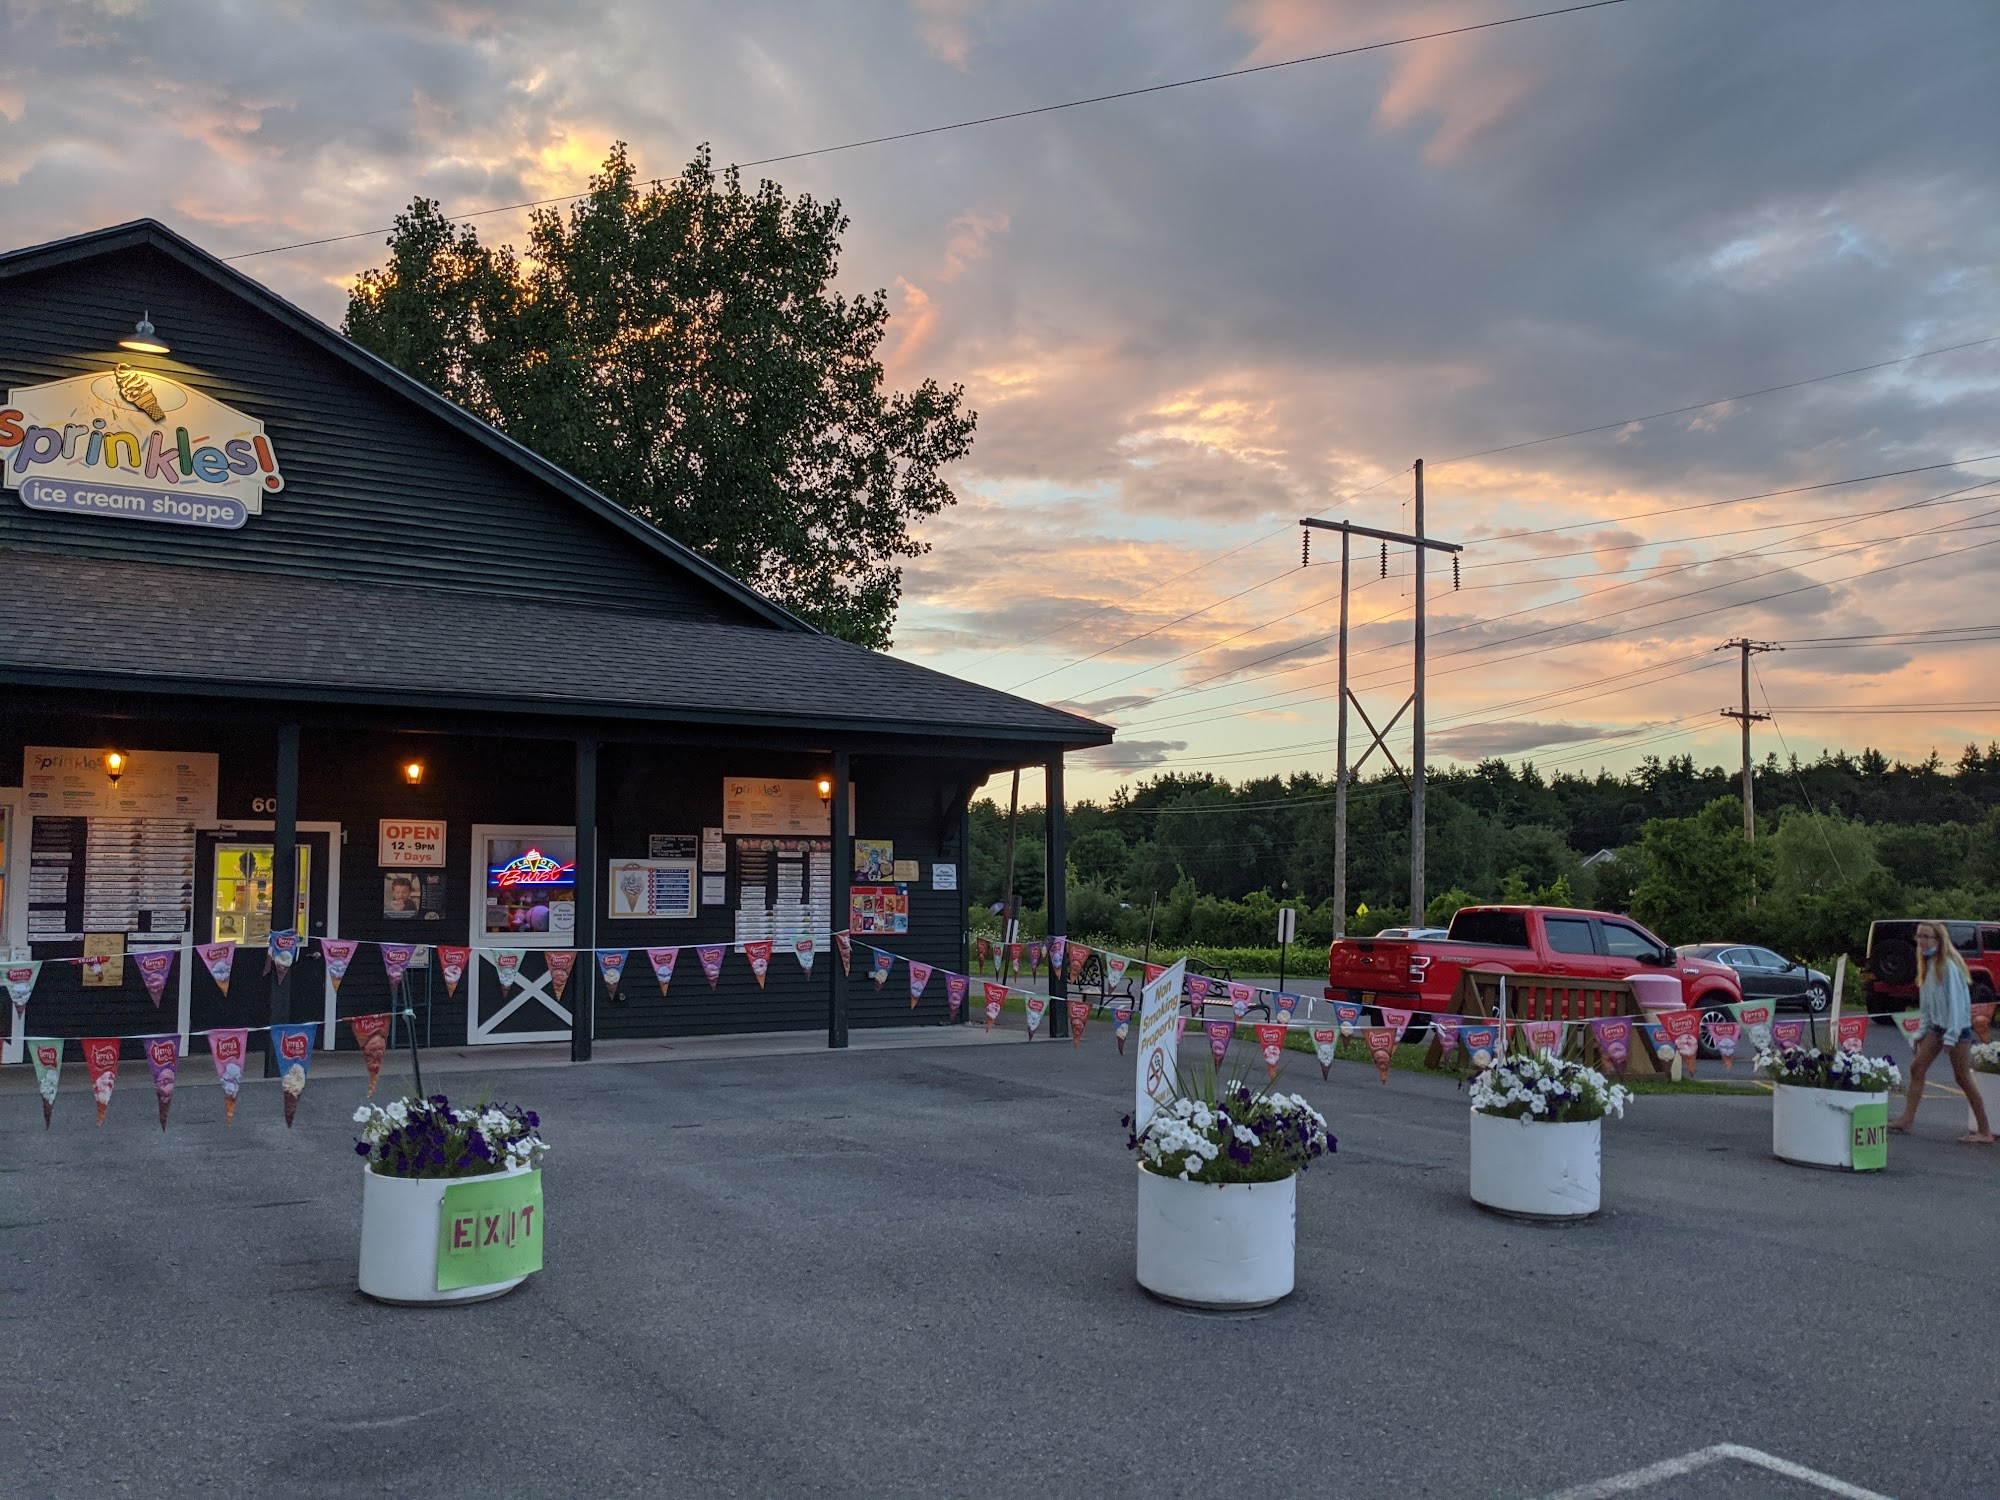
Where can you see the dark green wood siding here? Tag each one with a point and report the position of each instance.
(376, 488)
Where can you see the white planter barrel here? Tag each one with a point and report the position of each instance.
(1988, 1085)
(1217, 1245)
(1537, 1170)
(1815, 1127)
(399, 1240)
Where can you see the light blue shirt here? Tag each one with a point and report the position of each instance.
(1947, 1003)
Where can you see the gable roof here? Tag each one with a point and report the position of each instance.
(149, 627)
(151, 234)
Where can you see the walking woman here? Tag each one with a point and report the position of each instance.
(1944, 996)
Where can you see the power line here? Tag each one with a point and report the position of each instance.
(1678, 411)
(1015, 114)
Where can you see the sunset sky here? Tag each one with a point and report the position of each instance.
(1187, 319)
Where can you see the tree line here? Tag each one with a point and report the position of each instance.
(1842, 840)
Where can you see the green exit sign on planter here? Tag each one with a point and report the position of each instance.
(1870, 1152)
(489, 1229)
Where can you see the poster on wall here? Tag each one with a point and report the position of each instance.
(714, 890)
(177, 785)
(413, 894)
(651, 887)
(773, 807)
(906, 871)
(874, 859)
(878, 909)
(670, 845)
(714, 853)
(410, 843)
(944, 877)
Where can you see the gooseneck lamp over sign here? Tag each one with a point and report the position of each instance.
(144, 338)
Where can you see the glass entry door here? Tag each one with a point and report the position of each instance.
(523, 903)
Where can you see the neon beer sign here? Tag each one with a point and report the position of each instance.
(531, 868)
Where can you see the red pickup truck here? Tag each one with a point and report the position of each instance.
(1421, 973)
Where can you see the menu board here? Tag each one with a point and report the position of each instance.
(765, 805)
(129, 875)
(177, 785)
(652, 887)
(784, 892)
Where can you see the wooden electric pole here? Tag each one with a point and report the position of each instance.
(1749, 648)
(1343, 772)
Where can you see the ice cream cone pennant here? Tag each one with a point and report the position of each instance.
(371, 1035)
(1079, 955)
(396, 961)
(1271, 1042)
(1079, 1016)
(163, 1056)
(759, 954)
(711, 961)
(663, 961)
(1326, 1047)
(844, 946)
(879, 965)
(562, 963)
(337, 953)
(1121, 1025)
(20, 979)
(996, 996)
(229, 1048)
(920, 975)
(803, 950)
(452, 964)
(294, 1047)
(47, 1053)
(955, 988)
(1381, 1048)
(281, 952)
(218, 959)
(1037, 1005)
(612, 967)
(100, 1055)
(1219, 1033)
(507, 964)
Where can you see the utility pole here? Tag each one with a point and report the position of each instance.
(1748, 648)
(1343, 772)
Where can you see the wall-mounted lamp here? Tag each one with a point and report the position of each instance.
(413, 773)
(114, 765)
(144, 338)
(826, 789)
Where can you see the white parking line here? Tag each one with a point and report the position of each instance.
(1701, 1458)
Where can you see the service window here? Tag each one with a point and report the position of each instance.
(1568, 934)
(242, 893)
(1496, 929)
(530, 885)
(1621, 941)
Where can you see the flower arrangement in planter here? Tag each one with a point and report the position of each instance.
(1218, 1206)
(1986, 1077)
(1537, 1147)
(1829, 1109)
(451, 1199)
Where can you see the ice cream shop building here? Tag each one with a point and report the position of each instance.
(291, 645)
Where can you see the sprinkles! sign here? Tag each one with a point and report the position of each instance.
(135, 444)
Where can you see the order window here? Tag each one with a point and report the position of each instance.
(243, 877)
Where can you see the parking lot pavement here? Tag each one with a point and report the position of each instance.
(909, 1272)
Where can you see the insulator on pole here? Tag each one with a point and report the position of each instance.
(1305, 547)
(1385, 559)
(1454, 572)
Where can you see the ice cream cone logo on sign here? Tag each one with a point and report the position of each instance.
(632, 889)
(1479, 1042)
(229, 1049)
(955, 987)
(1381, 1048)
(284, 948)
(47, 1052)
(218, 959)
(294, 1045)
(163, 1055)
(1241, 997)
(879, 966)
(1079, 955)
(612, 967)
(1285, 1005)
(803, 950)
(1079, 1017)
(1271, 1042)
(452, 963)
(1853, 1033)
(20, 978)
(1058, 947)
(1219, 1033)
(663, 961)
(338, 953)
(100, 1055)
(507, 964)
(1326, 1047)
(996, 996)
(562, 963)
(759, 954)
(920, 975)
(1115, 965)
(1756, 1021)
(1121, 1025)
(1198, 986)
(371, 1035)
(1788, 1033)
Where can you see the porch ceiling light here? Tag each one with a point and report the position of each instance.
(114, 765)
(413, 773)
(826, 789)
(144, 338)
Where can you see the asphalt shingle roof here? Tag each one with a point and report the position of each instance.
(142, 626)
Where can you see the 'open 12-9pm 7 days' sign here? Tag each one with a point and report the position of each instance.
(489, 1229)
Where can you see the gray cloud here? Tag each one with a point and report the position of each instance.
(1129, 755)
(1514, 737)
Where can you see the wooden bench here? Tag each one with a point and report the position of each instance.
(1555, 997)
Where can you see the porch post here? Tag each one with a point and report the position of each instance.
(837, 917)
(583, 987)
(1056, 842)
(285, 880)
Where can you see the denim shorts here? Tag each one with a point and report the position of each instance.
(1945, 1038)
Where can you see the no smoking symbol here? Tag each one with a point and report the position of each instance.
(1156, 1072)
